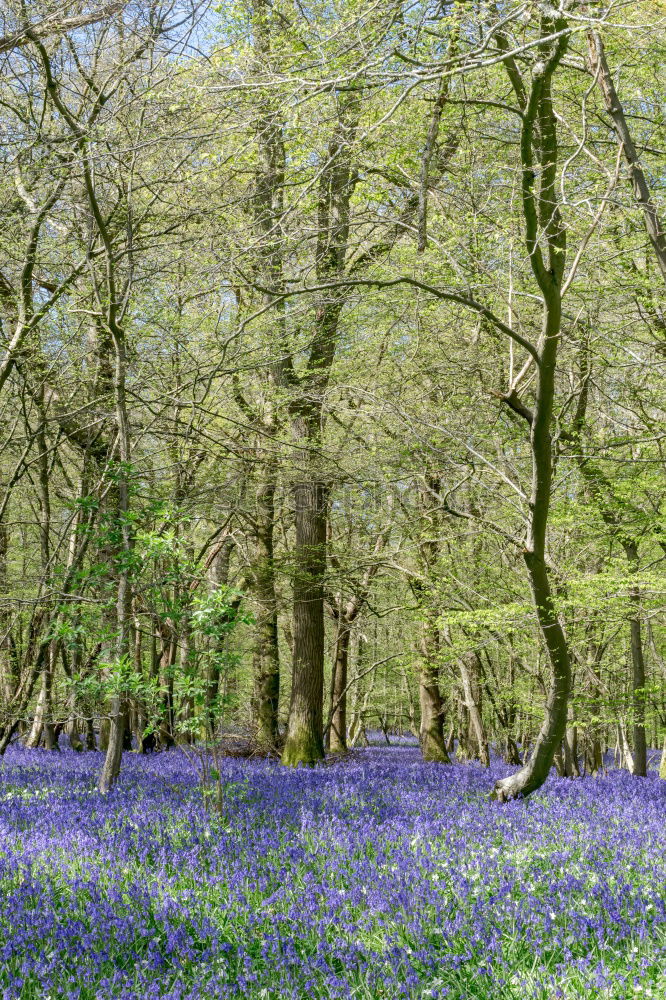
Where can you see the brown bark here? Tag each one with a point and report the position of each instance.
(266, 651)
(305, 740)
(268, 210)
(431, 733)
(431, 730)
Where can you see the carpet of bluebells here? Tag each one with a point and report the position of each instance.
(376, 877)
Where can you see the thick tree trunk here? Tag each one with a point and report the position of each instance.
(104, 730)
(431, 730)
(594, 757)
(305, 739)
(431, 733)
(431, 727)
(268, 218)
(266, 656)
(42, 725)
(114, 749)
(91, 740)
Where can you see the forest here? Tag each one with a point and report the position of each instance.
(332, 518)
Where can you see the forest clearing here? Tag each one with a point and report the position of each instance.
(332, 499)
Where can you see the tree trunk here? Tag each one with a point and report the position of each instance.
(338, 730)
(218, 576)
(571, 764)
(266, 652)
(9, 674)
(186, 713)
(594, 735)
(431, 730)
(72, 670)
(543, 223)
(637, 673)
(470, 671)
(305, 740)
(552, 730)
(345, 614)
(626, 759)
(638, 690)
(361, 697)
(595, 760)
(91, 741)
(166, 665)
(34, 737)
(431, 734)
(653, 225)
(119, 707)
(138, 719)
(104, 730)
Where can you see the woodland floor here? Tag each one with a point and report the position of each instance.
(379, 877)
